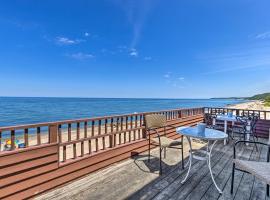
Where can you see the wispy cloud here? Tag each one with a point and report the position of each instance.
(133, 52)
(167, 75)
(147, 58)
(137, 12)
(86, 34)
(174, 80)
(67, 41)
(265, 35)
(81, 56)
(252, 57)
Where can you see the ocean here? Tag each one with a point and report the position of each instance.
(28, 110)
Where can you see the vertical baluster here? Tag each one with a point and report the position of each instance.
(136, 126)
(64, 153)
(131, 122)
(141, 121)
(111, 136)
(89, 147)
(125, 137)
(126, 122)
(38, 136)
(26, 141)
(264, 114)
(99, 127)
(117, 130)
(78, 130)
(129, 136)
(114, 137)
(105, 126)
(69, 132)
(97, 148)
(122, 123)
(82, 148)
(134, 135)
(0, 141)
(93, 132)
(60, 133)
(139, 133)
(93, 128)
(74, 151)
(103, 143)
(13, 139)
(136, 121)
(85, 129)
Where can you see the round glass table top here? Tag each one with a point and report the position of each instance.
(227, 118)
(209, 134)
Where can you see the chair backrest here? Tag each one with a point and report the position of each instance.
(208, 119)
(155, 121)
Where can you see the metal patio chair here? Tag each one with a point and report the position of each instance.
(156, 123)
(211, 122)
(260, 170)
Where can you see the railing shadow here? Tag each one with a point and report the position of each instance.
(148, 166)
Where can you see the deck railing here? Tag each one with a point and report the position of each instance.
(263, 114)
(262, 128)
(57, 152)
(85, 135)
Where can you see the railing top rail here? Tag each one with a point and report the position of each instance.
(25, 126)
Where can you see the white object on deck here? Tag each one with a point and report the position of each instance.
(227, 118)
(209, 135)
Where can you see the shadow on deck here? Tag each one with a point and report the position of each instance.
(138, 179)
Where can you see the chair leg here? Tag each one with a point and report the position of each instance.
(149, 150)
(164, 152)
(267, 190)
(255, 143)
(160, 160)
(233, 169)
(182, 153)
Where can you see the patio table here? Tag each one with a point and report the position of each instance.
(211, 136)
(232, 119)
(226, 119)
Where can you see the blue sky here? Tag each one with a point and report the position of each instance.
(128, 48)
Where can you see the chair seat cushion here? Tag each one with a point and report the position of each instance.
(261, 170)
(167, 142)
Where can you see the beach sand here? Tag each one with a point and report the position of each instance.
(251, 105)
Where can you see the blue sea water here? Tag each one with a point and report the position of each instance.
(27, 110)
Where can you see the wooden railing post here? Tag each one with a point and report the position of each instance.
(53, 133)
(144, 135)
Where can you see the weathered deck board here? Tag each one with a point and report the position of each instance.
(138, 179)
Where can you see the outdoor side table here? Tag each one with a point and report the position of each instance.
(211, 136)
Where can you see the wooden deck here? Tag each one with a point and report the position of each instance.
(138, 179)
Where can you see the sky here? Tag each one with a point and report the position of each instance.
(134, 48)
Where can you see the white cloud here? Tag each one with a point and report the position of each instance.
(86, 34)
(66, 41)
(167, 75)
(181, 78)
(147, 58)
(264, 35)
(133, 52)
(137, 13)
(81, 56)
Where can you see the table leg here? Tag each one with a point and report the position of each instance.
(248, 128)
(190, 160)
(225, 130)
(210, 169)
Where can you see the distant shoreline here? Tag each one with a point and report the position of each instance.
(250, 105)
